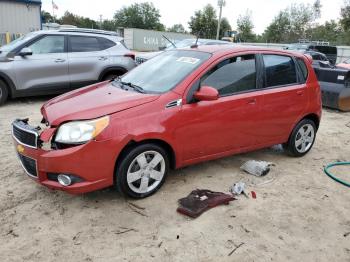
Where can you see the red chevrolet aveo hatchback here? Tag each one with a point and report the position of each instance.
(179, 108)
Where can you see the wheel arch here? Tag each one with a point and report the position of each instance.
(112, 69)
(9, 84)
(133, 143)
(313, 117)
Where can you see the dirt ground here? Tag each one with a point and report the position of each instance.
(299, 214)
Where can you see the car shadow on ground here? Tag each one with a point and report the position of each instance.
(194, 176)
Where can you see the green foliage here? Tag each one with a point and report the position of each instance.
(139, 15)
(293, 23)
(245, 27)
(204, 23)
(345, 16)
(177, 28)
(46, 17)
(224, 26)
(79, 21)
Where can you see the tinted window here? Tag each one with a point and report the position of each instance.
(279, 70)
(48, 44)
(303, 68)
(234, 75)
(84, 44)
(105, 43)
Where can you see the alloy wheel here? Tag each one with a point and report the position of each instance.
(146, 172)
(304, 138)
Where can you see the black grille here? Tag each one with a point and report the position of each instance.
(24, 136)
(29, 165)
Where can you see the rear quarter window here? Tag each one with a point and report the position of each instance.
(280, 70)
(303, 69)
(105, 43)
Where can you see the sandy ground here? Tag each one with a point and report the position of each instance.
(299, 215)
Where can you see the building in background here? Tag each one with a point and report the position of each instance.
(19, 17)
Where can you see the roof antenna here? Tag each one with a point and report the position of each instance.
(171, 42)
(196, 44)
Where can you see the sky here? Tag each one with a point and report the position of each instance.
(180, 11)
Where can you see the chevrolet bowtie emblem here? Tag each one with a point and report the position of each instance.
(20, 148)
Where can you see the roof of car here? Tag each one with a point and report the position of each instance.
(223, 49)
(80, 31)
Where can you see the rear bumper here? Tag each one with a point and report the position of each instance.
(93, 163)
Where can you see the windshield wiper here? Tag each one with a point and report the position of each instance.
(135, 87)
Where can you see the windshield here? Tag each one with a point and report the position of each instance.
(16, 43)
(165, 71)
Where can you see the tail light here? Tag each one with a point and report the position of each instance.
(131, 55)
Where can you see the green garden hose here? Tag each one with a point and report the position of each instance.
(326, 170)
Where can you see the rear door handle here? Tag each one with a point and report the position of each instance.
(59, 60)
(300, 92)
(251, 101)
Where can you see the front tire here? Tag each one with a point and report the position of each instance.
(142, 170)
(302, 138)
(3, 92)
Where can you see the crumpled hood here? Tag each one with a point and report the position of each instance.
(92, 102)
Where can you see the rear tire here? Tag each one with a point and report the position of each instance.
(142, 170)
(302, 138)
(3, 92)
(111, 76)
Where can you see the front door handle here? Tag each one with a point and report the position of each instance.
(102, 58)
(59, 60)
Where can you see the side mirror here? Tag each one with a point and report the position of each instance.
(206, 93)
(25, 51)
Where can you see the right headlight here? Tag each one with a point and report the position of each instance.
(79, 132)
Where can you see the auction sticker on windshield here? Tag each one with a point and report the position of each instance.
(189, 60)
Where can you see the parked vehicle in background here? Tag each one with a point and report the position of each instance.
(331, 52)
(56, 61)
(334, 81)
(345, 64)
(143, 57)
(129, 132)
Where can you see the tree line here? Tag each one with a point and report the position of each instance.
(298, 21)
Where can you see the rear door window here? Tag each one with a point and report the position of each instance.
(279, 70)
(83, 44)
(233, 75)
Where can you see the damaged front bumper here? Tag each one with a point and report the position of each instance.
(90, 165)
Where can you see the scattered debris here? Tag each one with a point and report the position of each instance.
(236, 247)
(177, 237)
(348, 124)
(347, 234)
(125, 230)
(136, 206)
(199, 201)
(237, 188)
(136, 209)
(76, 236)
(245, 230)
(253, 194)
(257, 168)
(12, 233)
(160, 244)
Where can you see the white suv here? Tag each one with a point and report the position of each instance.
(50, 62)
